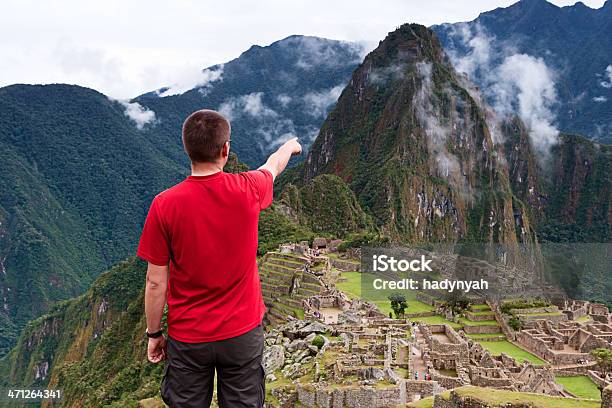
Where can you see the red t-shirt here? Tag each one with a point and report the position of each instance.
(206, 228)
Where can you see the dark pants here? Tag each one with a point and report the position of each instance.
(190, 371)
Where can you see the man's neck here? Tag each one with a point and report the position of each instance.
(205, 169)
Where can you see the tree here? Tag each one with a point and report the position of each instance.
(457, 302)
(515, 323)
(398, 304)
(604, 360)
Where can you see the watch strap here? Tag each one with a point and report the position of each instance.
(154, 335)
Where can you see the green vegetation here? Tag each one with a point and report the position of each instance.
(508, 305)
(96, 363)
(498, 347)
(354, 282)
(398, 304)
(498, 398)
(515, 323)
(318, 341)
(580, 385)
(326, 205)
(77, 180)
(275, 228)
(485, 336)
(467, 322)
(604, 359)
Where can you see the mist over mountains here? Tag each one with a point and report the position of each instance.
(550, 64)
(80, 169)
(270, 94)
(412, 151)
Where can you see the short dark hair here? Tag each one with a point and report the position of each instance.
(204, 134)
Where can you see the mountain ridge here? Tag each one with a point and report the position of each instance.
(573, 41)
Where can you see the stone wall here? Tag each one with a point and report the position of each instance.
(420, 387)
(479, 317)
(361, 397)
(345, 265)
(481, 329)
(530, 320)
(606, 398)
(534, 310)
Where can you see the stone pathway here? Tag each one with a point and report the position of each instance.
(418, 363)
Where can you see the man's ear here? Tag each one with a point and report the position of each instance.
(225, 150)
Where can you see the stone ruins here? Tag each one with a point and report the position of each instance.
(328, 348)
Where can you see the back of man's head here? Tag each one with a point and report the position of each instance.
(204, 134)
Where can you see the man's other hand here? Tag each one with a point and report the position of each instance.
(156, 350)
(294, 146)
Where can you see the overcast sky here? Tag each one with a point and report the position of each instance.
(128, 47)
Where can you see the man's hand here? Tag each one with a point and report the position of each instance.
(156, 350)
(278, 160)
(294, 146)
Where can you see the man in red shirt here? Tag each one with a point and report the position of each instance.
(200, 242)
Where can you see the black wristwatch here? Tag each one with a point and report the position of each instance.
(154, 335)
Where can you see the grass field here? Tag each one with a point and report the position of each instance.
(467, 322)
(580, 385)
(485, 336)
(356, 280)
(494, 397)
(498, 347)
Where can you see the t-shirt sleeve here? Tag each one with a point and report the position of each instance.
(154, 246)
(263, 183)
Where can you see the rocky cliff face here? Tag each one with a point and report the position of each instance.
(415, 147)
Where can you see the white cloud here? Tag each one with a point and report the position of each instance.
(607, 82)
(251, 104)
(134, 36)
(479, 54)
(284, 99)
(437, 134)
(138, 113)
(202, 79)
(315, 52)
(600, 99)
(526, 81)
(381, 75)
(317, 103)
(520, 84)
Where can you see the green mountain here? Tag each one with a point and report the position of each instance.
(80, 170)
(416, 148)
(78, 178)
(92, 347)
(407, 152)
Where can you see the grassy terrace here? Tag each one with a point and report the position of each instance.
(496, 398)
(498, 347)
(480, 308)
(485, 336)
(580, 385)
(541, 314)
(355, 281)
(482, 312)
(467, 322)
(437, 320)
